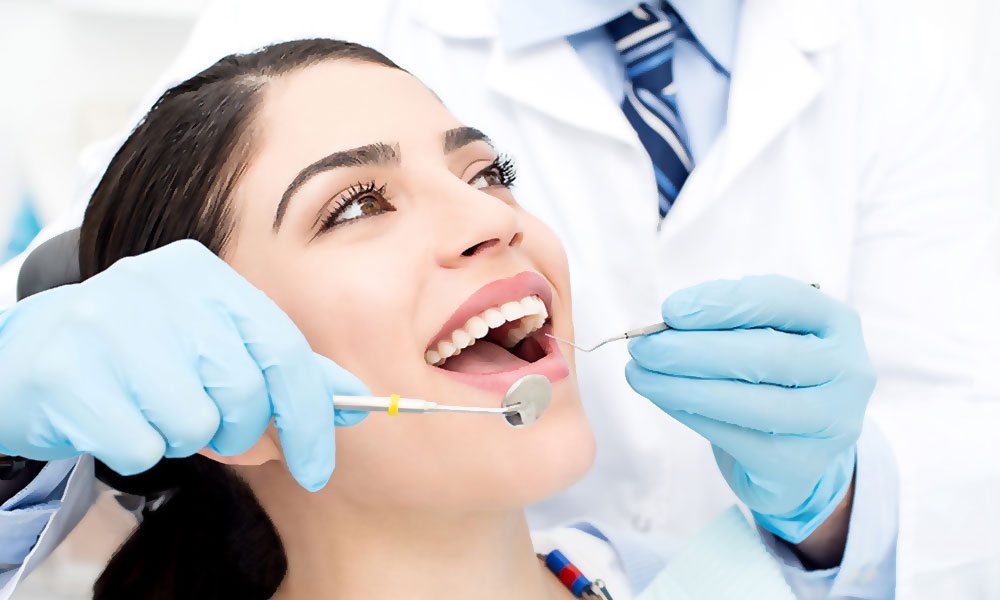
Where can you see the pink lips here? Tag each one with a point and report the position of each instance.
(553, 365)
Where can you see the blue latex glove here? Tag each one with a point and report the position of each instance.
(161, 355)
(774, 373)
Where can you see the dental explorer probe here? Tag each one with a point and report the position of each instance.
(639, 332)
(526, 399)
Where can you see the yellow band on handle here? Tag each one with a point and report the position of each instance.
(394, 404)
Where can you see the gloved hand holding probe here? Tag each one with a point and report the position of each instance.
(159, 356)
(774, 373)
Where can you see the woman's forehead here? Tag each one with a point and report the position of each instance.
(351, 103)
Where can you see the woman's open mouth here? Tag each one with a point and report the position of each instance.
(497, 336)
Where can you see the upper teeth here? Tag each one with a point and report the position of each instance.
(530, 309)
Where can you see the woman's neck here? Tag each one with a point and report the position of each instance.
(375, 552)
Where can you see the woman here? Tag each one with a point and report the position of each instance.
(341, 187)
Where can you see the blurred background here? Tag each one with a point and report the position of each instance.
(73, 72)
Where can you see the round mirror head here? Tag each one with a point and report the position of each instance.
(532, 394)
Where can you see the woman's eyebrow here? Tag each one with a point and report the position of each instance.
(463, 136)
(371, 154)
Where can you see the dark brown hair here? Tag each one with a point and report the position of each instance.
(172, 179)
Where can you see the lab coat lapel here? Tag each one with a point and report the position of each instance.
(772, 82)
(549, 77)
(552, 79)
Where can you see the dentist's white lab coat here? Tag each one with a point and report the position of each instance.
(852, 157)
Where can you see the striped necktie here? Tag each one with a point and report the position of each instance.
(645, 39)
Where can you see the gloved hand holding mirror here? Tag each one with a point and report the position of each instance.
(162, 355)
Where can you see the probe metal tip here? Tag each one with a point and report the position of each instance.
(581, 348)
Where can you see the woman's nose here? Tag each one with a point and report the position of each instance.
(476, 224)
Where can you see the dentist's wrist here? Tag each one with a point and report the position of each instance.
(824, 548)
(831, 490)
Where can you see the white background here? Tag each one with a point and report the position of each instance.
(73, 72)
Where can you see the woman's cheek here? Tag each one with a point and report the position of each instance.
(551, 257)
(367, 325)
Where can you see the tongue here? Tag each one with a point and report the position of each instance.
(483, 357)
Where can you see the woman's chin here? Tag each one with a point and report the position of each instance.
(555, 455)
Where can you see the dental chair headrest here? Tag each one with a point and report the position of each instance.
(54, 263)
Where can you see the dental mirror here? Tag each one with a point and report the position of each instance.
(526, 399)
(529, 396)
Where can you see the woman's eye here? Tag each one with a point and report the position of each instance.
(488, 178)
(500, 173)
(362, 201)
(363, 207)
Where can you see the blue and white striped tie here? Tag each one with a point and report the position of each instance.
(645, 39)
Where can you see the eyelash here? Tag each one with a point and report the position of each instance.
(503, 166)
(353, 194)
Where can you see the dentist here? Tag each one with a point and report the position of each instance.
(668, 144)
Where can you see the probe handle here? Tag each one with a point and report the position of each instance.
(647, 330)
(383, 404)
(658, 327)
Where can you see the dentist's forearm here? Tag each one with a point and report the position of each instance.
(824, 548)
(11, 487)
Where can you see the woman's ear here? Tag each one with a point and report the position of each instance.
(266, 449)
